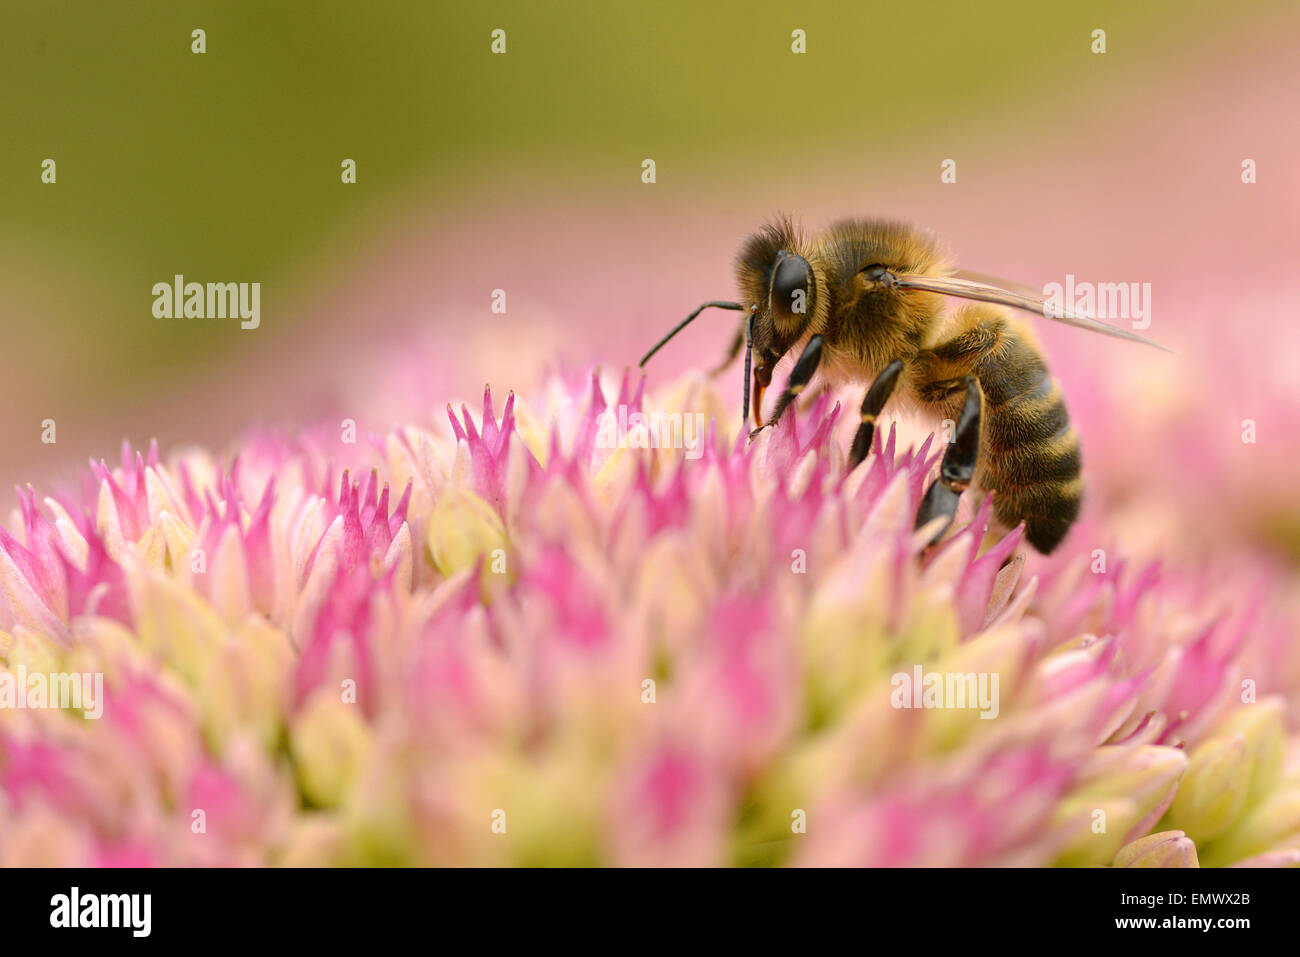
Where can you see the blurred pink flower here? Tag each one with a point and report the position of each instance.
(551, 649)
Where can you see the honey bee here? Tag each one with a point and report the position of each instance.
(863, 301)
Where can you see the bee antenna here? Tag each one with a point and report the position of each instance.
(749, 350)
(686, 322)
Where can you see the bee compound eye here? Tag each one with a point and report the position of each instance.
(792, 288)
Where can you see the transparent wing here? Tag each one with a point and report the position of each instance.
(1010, 285)
(967, 288)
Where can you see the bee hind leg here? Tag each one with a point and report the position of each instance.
(958, 466)
(882, 387)
(803, 372)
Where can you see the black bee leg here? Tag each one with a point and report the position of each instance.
(882, 387)
(958, 466)
(803, 372)
(733, 350)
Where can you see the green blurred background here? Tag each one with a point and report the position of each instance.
(226, 166)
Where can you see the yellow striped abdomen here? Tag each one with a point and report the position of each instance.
(1029, 453)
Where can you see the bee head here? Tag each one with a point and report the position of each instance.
(791, 293)
(782, 289)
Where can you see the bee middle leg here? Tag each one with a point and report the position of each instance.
(882, 387)
(958, 466)
(803, 372)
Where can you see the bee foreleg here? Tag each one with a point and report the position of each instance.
(958, 466)
(733, 350)
(803, 372)
(882, 387)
